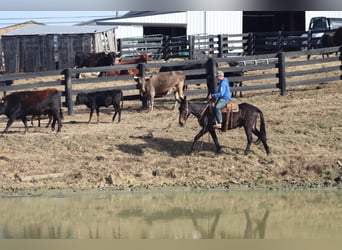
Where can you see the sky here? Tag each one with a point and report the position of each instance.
(8, 18)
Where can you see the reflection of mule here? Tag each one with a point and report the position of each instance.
(260, 226)
(246, 117)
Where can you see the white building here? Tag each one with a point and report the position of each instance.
(137, 24)
(181, 23)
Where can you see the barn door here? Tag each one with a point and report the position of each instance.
(69, 45)
(11, 49)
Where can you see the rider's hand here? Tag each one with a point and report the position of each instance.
(209, 97)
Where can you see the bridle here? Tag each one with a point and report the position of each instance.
(199, 114)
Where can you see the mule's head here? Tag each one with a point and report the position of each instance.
(184, 111)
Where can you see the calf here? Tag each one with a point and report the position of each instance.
(160, 85)
(18, 105)
(95, 100)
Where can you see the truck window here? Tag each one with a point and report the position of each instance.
(319, 24)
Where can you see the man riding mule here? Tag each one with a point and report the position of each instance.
(222, 96)
(245, 117)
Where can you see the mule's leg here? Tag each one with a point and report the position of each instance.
(262, 139)
(249, 139)
(197, 137)
(217, 145)
(257, 133)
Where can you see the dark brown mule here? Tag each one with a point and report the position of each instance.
(246, 117)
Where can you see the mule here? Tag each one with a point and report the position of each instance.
(245, 117)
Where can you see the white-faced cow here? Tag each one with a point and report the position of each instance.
(160, 85)
(95, 100)
(18, 105)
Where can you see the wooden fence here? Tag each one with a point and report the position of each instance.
(276, 71)
(195, 47)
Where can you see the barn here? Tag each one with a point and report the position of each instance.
(41, 47)
(184, 23)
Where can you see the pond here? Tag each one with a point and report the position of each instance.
(174, 215)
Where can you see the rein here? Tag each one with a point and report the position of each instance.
(200, 113)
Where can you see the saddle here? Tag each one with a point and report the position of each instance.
(227, 114)
(228, 111)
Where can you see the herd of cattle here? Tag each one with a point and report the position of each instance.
(20, 105)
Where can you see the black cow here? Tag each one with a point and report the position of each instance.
(87, 59)
(95, 100)
(18, 105)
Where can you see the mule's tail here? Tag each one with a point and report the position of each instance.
(262, 135)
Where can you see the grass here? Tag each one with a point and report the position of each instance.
(150, 150)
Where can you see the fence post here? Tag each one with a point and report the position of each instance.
(250, 44)
(280, 41)
(220, 45)
(211, 75)
(120, 47)
(68, 90)
(309, 40)
(191, 47)
(281, 72)
(142, 72)
(166, 47)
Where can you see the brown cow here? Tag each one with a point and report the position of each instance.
(142, 58)
(18, 105)
(160, 85)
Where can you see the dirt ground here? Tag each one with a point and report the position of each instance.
(148, 151)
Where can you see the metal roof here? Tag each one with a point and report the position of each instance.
(52, 29)
(146, 13)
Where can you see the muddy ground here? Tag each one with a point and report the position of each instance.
(148, 151)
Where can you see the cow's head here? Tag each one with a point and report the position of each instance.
(141, 82)
(144, 57)
(81, 98)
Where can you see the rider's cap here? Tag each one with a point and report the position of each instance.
(219, 73)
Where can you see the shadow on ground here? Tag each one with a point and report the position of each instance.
(169, 146)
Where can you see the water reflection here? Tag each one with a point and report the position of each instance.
(174, 215)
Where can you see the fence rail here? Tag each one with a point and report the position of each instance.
(259, 72)
(199, 46)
